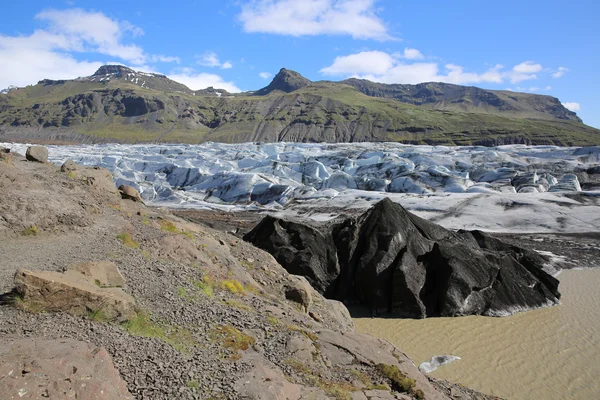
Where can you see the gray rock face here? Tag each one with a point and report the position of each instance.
(58, 369)
(37, 153)
(392, 260)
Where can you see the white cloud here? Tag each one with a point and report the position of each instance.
(197, 81)
(164, 59)
(412, 54)
(382, 67)
(85, 31)
(534, 89)
(356, 18)
(560, 72)
(548, 88)
(265, 75)
(525, 71)
(51, 52)
(210, 59)
(366, 62)
(572, 106)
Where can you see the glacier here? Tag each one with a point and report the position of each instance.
(467, 185)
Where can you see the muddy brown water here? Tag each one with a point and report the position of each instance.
(551, 353)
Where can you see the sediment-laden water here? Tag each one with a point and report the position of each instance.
(551, 353)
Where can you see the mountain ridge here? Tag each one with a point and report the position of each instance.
(119, 104)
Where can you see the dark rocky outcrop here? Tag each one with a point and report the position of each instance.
(392, 260)
(301, 249)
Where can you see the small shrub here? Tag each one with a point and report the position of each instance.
(400, 381)
(31, 231)
(273, 320)
(128, 240)
(419, 395)
(182, 292)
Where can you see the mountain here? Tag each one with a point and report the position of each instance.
(119, 104)
(445, 96)
(285, 81)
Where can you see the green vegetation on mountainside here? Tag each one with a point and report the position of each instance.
(289, 109)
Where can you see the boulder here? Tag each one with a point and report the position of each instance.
(58, 369)
(130, 193)
(74, 293)
(104, 273)
(391, 260)
(37, 153)
(299, 291)
(68, 166)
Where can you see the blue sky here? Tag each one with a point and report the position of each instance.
(546, 47)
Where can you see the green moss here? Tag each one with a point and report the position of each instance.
(127, 240)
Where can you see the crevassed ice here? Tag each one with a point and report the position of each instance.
(276, 173)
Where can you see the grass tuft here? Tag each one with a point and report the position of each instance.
(233, 339)
(233, 286)
(31, 231)
(206, 286)
(400, 381)
(128, 240)
(142, 325)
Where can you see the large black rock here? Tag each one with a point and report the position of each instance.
(392, 260)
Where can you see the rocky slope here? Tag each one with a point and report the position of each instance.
(214, 316)
(119, 104)
(393, 261)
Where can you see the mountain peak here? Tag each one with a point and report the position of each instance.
(286, 81)
(113, 69)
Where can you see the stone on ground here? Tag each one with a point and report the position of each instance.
(37, 153)
(130, 193)
(72, 293)
(103, 273)
(58, 369)
(299, 291)
(68, 166)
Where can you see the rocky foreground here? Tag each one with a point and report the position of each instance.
(105, 298)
